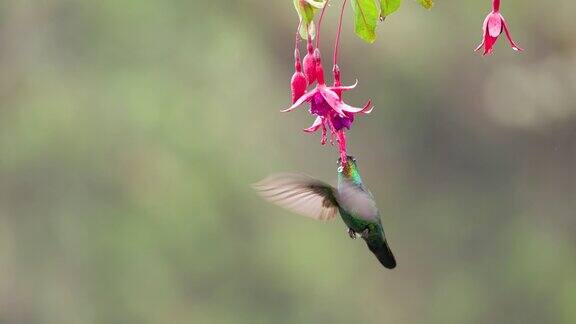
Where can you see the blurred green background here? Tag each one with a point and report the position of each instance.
(130, 132)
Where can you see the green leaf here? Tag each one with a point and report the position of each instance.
(366, 15)
(318, 4)
(306, 10)
(426, 3)
(389, 6)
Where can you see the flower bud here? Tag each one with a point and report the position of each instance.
(298, 83)
(309, 63)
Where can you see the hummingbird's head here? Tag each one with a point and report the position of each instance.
(349, 159)
(348, 170)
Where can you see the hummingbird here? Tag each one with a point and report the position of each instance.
(316, 199)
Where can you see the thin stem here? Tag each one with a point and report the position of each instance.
(337, 43)
(297, 38)
(341, 136)
(496, 5)
(320, 23)
(297, 63)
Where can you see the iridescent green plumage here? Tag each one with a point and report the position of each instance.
(362, 215)
(316, 199)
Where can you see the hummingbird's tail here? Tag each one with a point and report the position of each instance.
(382, 251)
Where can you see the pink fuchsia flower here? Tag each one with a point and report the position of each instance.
(329, 118)
(340, 122)
(324, 99)
(492, 28)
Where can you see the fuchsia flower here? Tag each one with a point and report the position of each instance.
(298, 82)
(326, 103)
(492, 28)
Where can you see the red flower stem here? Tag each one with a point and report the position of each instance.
(320, 23)
(342, 145)
(496, 5)
(297, 62)
(324, 137)
(337, 44)
(297, 38)
(332, 131)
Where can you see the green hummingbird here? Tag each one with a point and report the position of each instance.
(314, 198)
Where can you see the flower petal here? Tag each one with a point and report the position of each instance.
(507, 31)
(350, 109)
(479, 46)
(332, 99)
(489, 42)
(367, 107)
(305, 97)
(494, 24)
(317, 123)
(344, 88)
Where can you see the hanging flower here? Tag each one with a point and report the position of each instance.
(329, 118)
(332, 113)
(492, 28)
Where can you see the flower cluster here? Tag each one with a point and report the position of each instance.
(332, 115)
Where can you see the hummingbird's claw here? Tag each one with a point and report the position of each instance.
(351, 233)
(365, 233)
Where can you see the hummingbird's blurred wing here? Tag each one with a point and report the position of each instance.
(357, 201)
(299, 193)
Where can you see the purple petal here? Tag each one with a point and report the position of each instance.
(319, 106)
(332, 99)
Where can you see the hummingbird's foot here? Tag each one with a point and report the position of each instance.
(365, 233)
(351, 233)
